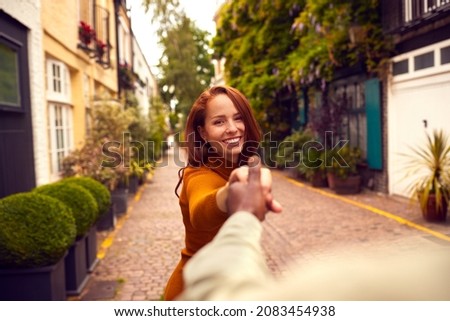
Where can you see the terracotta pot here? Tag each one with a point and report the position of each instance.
(349, 185)
(431, 213)
(331, 180)
(319, 180)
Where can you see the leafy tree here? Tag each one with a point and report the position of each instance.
(186, 68)
(255, 38)
(160, 128)
(274, 49)
(334, 34)
(186, 64)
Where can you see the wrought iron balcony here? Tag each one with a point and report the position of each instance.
(94, 39)
(401, 15)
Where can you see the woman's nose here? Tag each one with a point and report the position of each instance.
(231, 127)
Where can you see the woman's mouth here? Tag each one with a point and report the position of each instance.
(232, 141)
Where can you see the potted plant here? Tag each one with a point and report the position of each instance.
(289, 153)
(102, 197)
(100, 48)
(342, 170)
(36, 232)
(109, 123)
(313, 165)
(428, 168)
(86, 34)
(84, 210)
(136, 171)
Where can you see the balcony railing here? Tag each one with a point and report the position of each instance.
(403, 14)
(94, 40)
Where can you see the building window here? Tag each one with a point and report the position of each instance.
(58, 81)
(60, 133)
(9, 76)
(400, 67)
(445, 55)
(124, 40)
(59, 114)
(423, 61)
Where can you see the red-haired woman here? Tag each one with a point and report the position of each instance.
(221, 134)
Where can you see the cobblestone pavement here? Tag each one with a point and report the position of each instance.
(145, 246)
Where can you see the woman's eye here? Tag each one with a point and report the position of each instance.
(218, 122)
(238, 118)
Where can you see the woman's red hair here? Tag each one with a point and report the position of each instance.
(197, 147)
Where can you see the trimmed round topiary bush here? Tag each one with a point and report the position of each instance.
(99, 191)
(78, 199)
(36, 230)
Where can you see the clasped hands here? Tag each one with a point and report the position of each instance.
(250, 189)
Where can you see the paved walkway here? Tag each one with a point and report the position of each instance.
(137, 257)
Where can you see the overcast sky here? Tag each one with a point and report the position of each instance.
(201, 11)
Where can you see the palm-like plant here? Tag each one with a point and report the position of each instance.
(430, 167)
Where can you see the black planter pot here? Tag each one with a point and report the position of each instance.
(34, 284)
(107, 221)
(133, 184)
(91, 249)
(119, 197)
(76, 268)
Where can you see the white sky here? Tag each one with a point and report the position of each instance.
(200, 11)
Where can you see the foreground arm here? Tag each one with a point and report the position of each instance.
(229, 266)
(232, 267)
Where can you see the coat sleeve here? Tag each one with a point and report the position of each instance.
(232, 263)
(201, 190)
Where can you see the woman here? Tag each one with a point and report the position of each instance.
(221, 134)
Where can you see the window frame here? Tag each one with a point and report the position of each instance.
(65, 131)
(21, 56)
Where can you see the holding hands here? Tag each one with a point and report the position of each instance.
(250, 189)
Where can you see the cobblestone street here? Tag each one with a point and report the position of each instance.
(140, 254)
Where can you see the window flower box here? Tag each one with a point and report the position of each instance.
(86, 34)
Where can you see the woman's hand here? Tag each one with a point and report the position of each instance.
(241, 174)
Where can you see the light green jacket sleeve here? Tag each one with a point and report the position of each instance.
(233, 267)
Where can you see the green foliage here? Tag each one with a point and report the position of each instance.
(274, 48)
(313, 161)
(290, 150)
(103, 154)
(336, 33)
(255, 38)
(78, 199)
(100, 193)
(159, 128)
(110, 120)
(186, 68)
(35, 230)
(343, 162)
(185, 65)
(429, 169)
(165, 12)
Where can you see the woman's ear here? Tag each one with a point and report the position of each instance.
(202, 133)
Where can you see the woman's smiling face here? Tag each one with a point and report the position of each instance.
(224, 128)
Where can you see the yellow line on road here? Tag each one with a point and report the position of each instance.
(372, 209)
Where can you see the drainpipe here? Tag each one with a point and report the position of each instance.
(116, 19)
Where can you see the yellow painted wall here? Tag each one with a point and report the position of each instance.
(60, 20)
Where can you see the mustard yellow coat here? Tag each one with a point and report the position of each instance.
(201, 217)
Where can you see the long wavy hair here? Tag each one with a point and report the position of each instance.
(198, 149)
